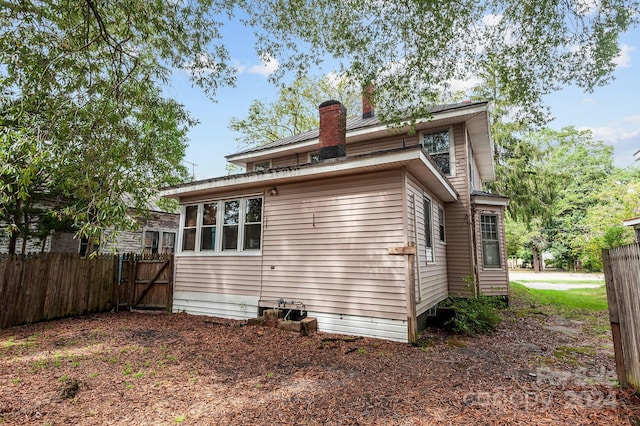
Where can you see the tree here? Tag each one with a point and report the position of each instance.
(83, 82)
(295, 110)
(413, 49)
(616, 199)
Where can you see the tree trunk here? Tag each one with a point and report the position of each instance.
(536, 260)
(13, 241)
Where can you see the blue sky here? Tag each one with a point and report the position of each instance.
(611, 112)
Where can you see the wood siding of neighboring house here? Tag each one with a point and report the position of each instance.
(431, 276)
(325, 244)
(491, 281)
(132, 241)
(458, 215)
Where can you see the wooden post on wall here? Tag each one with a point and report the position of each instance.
(412, 321)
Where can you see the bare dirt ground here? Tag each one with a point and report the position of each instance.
(144, 369)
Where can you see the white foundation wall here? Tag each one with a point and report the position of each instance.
(233, 306)
(380, 328)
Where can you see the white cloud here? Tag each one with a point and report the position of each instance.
(587, 7)
(587, 100)
(268, 65)
(457, 85)
(491, 20)
(623, 60)
(623, 134)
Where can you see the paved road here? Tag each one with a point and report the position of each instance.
(539, 280)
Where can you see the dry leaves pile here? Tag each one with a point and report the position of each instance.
(136, 368)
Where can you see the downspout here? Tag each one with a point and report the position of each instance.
(415, 234)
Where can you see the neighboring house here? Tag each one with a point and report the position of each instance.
(313, 219)
(635, 222)
(156, 234)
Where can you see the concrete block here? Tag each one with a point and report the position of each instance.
(256, 321)
(309, 324)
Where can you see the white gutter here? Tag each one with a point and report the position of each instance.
(414, 159)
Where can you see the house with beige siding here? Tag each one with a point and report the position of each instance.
(318, 219)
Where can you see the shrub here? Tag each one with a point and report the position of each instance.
(472, 316)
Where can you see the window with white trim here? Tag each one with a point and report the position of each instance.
(232, 225)
(428, 230)
(438, 145)
(208, 226)
(490, 241)
(262, 166)
(441, 224)
(189, 228)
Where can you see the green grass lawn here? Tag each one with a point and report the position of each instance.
(567, 281)
(572, 302)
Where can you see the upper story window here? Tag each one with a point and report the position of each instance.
(428, 230)
(261, 166)
(222, 226)
(314, 157)
(438, 145)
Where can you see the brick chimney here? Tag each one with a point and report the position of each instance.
(333, 128)
(367, 101)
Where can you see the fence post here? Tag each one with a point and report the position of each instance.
(614, 319)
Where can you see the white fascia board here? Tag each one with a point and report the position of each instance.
(412, 157)
(489, 201)
(242, 159)
(631, 222)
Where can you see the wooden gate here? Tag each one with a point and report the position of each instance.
(146, 281)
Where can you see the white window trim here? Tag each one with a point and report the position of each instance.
(257, 163)
(500, 260)
(430, 252)
(240, 251)
(442, 221)
(452, 146)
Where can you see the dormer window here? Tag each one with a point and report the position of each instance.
(262, 166)
(438, 145)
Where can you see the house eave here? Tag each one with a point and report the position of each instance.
(489, 200)
(414, 159)
(634, 221)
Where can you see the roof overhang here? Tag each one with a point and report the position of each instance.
(489, 200)
(476, 116)
(414, 159)
(635, 221)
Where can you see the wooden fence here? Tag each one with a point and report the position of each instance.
(622, 276)
(54, 285)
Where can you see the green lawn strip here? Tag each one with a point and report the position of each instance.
(568, 281)
(581, 299)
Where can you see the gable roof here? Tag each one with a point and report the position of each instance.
(475, 114)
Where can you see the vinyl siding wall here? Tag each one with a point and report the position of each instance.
(325, 244)
(458, 220)
(431, 277)
(225, 286)
(492, 281)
